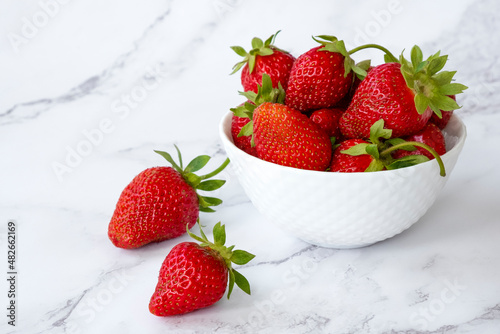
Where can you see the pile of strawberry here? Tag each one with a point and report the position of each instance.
(322, 111)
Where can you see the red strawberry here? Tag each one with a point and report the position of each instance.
(194, 276)
(328, 120)
(430, 135)
(383, 94)
(445, 117)
(287, 137)
(346, 163)
(242, 142)
(319, 78)
(242, 123)
(404, 94)
(263, 58)
(159, 202)
(322, 76)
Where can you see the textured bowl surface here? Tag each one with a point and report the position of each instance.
(342, 210)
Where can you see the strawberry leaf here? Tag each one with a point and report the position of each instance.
(203, 239)
(421, 103)
(270, 40)
(168, 157)
(420, 66)
(361, 68)
(416, 56)
(266, 52)
(241, 257)
(206, 209)
(452, 89)
(239, 51)
(377, 131)
(267, 84)
(179, 156)
(240, 111)
(446, 103)
(211, 201)
(444, 77)
(407, 161)
(250, 95)
(251, 64)
(210, 185)
(326, 38)
(356, 150)
(202, 233)
(375, 166)
(241, 282)
(246, 130)
(205, 203)
(436, 65)
(231, 283)
(197, 163)
(372, 149)
(390, 58)
(219, 232)
(257, 43)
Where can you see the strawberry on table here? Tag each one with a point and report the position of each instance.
(266, 58)
(195, 276)
(403, 93)
(160, 201)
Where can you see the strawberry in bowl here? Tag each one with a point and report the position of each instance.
(373, 178)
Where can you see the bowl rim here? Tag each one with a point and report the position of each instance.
(225, 134)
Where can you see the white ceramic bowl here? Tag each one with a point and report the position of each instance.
(342, 210)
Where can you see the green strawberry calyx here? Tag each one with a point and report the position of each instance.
(229, 254)
(381, 145)
(332, 44)
(432, 87)
(265, 93)
(198, 182)
(259, 47)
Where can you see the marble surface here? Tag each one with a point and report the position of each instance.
(88, 90)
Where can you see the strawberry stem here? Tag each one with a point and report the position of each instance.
(442, 171)
(375, 46)
(217, 171)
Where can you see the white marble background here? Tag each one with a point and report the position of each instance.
(89, 88)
